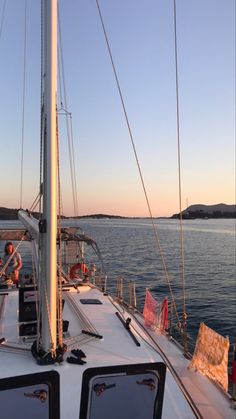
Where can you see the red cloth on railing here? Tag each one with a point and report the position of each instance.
(155, 314)
(150, 311)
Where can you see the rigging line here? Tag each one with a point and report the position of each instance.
(157, 348)
(2, 17)
(41, 117)
(59, 79)
(42, 136)
(61, 105)
(35, 203)
(23, 106)
(61, 74)
(180, 183)
(73, 158)
(35, 288)
(137, 160)
(60, 325)
(52, 343)
(69, 139)
(84, 320)
(43, 286)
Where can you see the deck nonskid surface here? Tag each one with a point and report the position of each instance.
(115, 348)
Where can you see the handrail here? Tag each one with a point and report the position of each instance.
(125, 290)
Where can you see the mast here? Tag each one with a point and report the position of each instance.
(45, 232)
(48, 226)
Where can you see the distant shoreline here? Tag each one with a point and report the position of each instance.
(200, 211)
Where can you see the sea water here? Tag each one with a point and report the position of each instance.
(129, 251)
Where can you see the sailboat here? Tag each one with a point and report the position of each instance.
(67, 348)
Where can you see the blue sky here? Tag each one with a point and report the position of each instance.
(142, 42)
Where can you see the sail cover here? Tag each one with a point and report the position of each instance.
(211, 356)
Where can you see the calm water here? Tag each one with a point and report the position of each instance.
(128, 250)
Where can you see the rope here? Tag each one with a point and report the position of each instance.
(37, 302)
(23, 107)
(68, 126)
(14, 348)
(2, 17)
(42, 129)
(158, 244)
(59, 77)
(60, 322)
(180, 191)
(42, 133)
(157, 348)
(84, 321)
(53, 344)
(75, 341)
(73, 161)
(36, 202)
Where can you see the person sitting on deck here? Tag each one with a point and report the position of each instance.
(11, 263)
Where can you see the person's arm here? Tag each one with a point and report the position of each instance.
(16, 269)
(19, 262)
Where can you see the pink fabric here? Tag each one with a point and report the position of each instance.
(155, 314)
(150, 311)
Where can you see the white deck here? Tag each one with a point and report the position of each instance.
(116, 348)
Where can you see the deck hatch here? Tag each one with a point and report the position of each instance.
(90, 301)
(34, 395)
(123, 391)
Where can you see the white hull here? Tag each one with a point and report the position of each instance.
(115, 348)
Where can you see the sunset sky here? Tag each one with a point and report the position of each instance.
(141, 35)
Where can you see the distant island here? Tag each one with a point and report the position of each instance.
(192, 212)
(8, 213)
(12, 214)
(98, 216)
(208, 211)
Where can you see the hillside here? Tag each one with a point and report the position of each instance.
(193, 211)
(11, 214)
(8, 213)
(208, 211)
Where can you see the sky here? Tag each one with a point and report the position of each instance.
(141, 36)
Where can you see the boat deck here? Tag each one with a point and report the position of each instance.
(116, 347)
